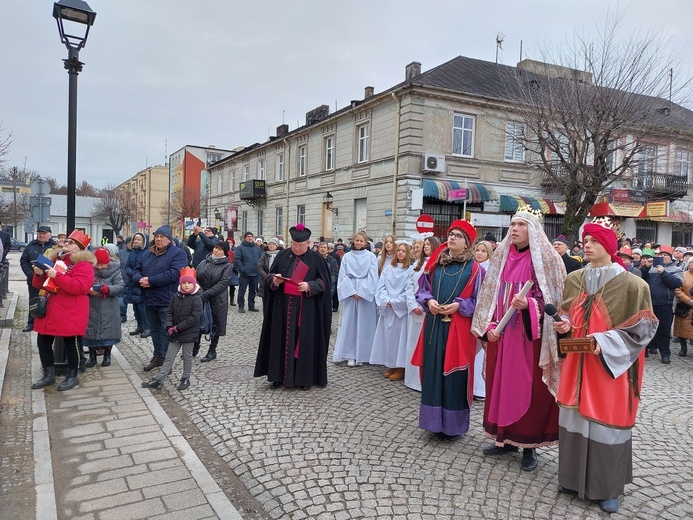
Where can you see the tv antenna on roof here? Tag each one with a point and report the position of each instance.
(499, 43)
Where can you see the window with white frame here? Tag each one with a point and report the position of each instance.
(261, 222)
(220, 183)
(463, 135)
(261, 169)
(514, 138)
(302, 151)
(647, 159)
(246, 172)
(683, 162)
(279, 221)
(213, 157)
(364, 137)
(280, 167)
(329, 153)
(300, 214)
(244, 221)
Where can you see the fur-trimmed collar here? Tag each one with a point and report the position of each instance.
(79, 256)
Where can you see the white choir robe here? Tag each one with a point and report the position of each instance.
(390, 341)
(358, 274)
(412, 376)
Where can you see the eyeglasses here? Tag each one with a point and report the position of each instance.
(456, 236)
(70, 241)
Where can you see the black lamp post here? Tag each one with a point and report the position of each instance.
(74, 18)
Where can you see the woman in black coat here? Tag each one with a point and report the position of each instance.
(214, 275)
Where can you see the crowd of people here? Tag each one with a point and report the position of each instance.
(459, 320)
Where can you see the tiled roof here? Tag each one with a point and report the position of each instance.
(492, 80)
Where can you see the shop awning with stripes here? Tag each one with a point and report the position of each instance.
(476, 192)
(510, 203)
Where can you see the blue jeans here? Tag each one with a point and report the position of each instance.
(123, 308)
(249, 282)
(156, 319)
(140, 315)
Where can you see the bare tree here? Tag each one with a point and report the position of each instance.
(588, 113)
(183, 205)
(56, 189)
(114, 208)
(5, 142)
(84, 189)
(15, 209)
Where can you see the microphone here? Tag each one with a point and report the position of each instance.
(552, 311)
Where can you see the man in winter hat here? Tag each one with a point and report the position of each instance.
(157, 275)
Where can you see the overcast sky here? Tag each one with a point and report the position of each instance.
(160, 74)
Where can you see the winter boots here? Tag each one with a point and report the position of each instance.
(70, 382)
(684, 347)
(92, 357)
(211, 354)
(106, 361)
(47, 379)
(156, 361)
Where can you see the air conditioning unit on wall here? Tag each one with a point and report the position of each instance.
(433, 163)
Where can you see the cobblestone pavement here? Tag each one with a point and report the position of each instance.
(353, 449)
(350, 450)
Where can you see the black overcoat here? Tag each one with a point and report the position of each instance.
(296, 329)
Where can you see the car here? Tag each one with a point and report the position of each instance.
(17, 245)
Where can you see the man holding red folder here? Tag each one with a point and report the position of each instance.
(298, 317)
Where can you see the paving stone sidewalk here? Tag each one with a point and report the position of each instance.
(103, 450)
(354, 449)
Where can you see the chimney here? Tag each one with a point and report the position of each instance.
(282, 130)
(368, 92)
(317, 114)
(411, 70)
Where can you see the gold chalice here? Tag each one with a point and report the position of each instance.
(446, 318)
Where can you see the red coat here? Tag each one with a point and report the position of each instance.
(68, 308)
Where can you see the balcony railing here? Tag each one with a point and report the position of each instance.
(661, 185)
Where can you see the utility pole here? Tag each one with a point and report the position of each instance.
(14, 194)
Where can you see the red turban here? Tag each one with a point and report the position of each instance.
(606, 237)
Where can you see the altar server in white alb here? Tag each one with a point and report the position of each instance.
(356, 285)
(395, 300)
(412, 374)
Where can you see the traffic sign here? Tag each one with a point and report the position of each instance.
(424, 223)
(40, 187)
(40, 201)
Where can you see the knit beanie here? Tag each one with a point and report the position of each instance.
(102, 256)
(112, 249)
(166, 231)
(189, 279)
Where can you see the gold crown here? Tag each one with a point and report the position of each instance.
(604, 222)
(536, 213)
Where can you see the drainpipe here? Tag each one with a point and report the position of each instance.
(287, 171)
(396, 168)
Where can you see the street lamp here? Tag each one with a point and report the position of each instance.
(327, 199)
(74, 18)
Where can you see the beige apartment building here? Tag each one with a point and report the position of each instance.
(385, 159)
(147, 196)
